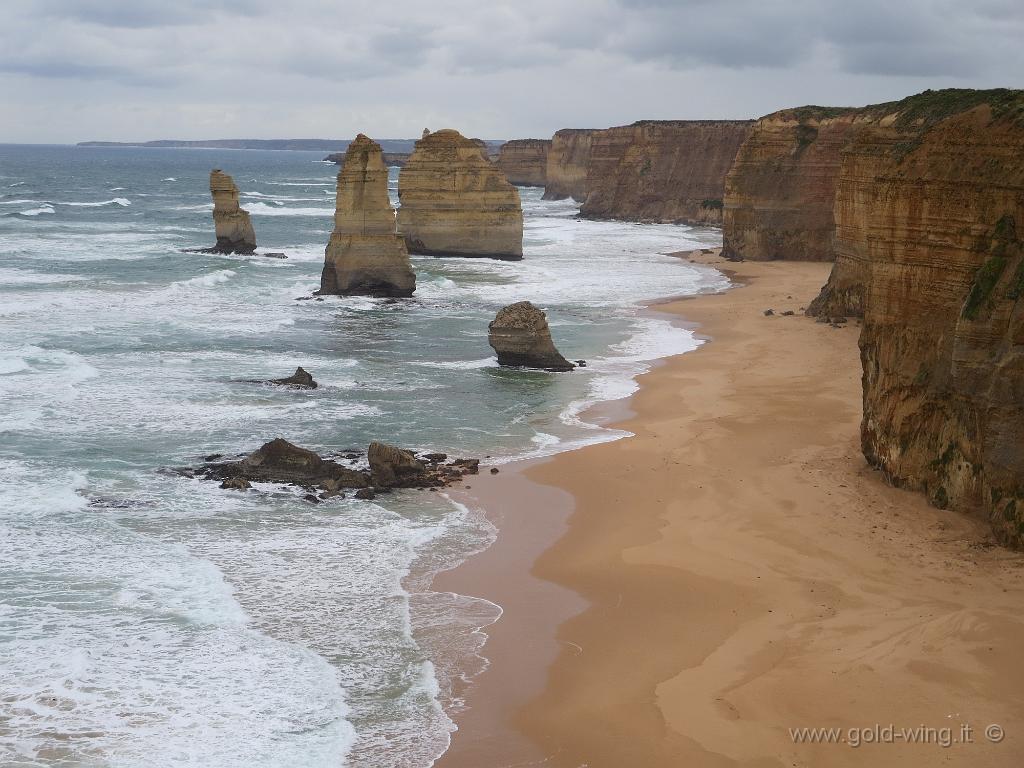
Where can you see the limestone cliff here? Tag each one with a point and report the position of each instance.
(568, 161)
(525, 161)
(930, 220)
(365, 256)
(231, 224)
(662, 170)
(779, 193)
(455, 202)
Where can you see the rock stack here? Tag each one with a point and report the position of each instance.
(365, 256)
(521, 337)
(455, 202)
(232, 225)
(525, 161)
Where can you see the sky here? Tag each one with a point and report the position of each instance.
(135, 70)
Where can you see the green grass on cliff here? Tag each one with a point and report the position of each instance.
(930, 107)
(1004, 239)
(923, 109)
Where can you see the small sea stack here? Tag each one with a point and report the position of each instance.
(520, 336)
(456, 202)
(232, 224)
(365, 256)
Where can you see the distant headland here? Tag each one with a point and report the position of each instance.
(309, 145)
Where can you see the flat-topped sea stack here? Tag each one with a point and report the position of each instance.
(365, 256)
(525, 161)
(780, 191)
(568, 162)
(456, 202)
(520, 336)
(662, 170)
(232, 225)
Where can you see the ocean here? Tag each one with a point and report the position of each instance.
(148, 619)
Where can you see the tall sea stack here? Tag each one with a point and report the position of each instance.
(455, 202)
(365, 256)
(232, 225)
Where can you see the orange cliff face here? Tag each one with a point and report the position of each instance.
(662, 170)
(779, 193)
(525, 161)
(930, 224)
(568, 161)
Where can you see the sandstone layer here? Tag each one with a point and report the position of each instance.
(568, 163)
(232, 225)
(525, 161)
(780, 191)
(662, 170)
(520, 336)
(455, 202)
(929, 217)
(365, 255)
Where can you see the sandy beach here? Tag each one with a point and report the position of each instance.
(735, 571)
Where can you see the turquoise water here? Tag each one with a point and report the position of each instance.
(152, 620)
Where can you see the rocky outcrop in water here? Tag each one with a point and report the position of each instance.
(520, 336)
(929, 219)
(280, 461)
(525, 161)
(455, 202)
(301, 379)
(232, 225)
(662, 170)
(365, 255)
(780, 192)
(568, 162)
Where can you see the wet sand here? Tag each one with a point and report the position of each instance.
(735, 570)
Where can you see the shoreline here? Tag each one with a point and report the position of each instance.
(734, 570)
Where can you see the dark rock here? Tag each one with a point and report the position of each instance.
(789, 312)
(471, 466)
(494, 470)
(311, 498)
(393, 467)
(301, 379)
(434, 458)
(273, 256)
(212, 457)
(769, 312)
(520, 336)
(581, 363)
(365, 493)
(236, 484)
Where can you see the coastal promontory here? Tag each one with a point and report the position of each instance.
(662, 170)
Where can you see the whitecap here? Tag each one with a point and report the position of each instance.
(37, 211)
(121, 201)
(262, 209)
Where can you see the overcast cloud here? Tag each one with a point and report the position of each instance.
(72, 70)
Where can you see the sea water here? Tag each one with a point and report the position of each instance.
(147, 619)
